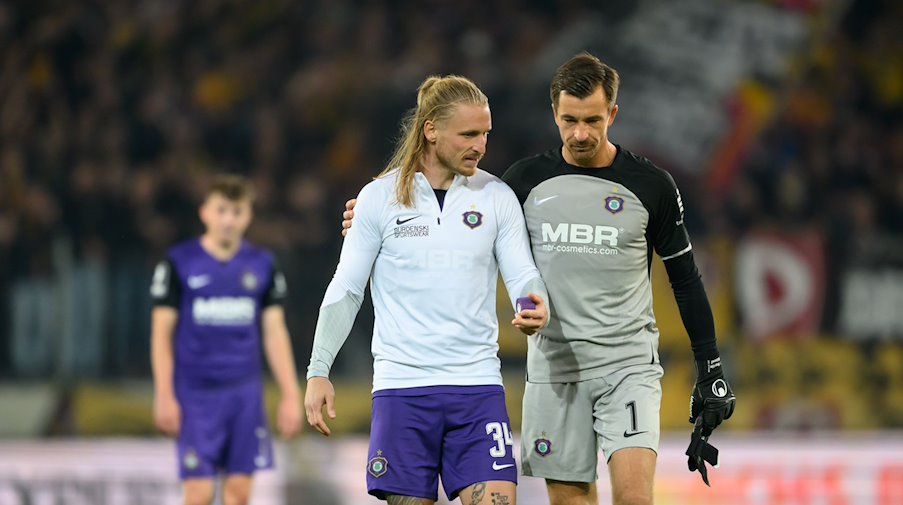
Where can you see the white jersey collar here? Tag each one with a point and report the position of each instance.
(459, 180)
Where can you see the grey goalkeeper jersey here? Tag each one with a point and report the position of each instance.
(592, 231)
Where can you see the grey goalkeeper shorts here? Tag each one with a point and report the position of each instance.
(566, 424)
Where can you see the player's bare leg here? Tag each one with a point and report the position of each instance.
(632, 472)
(198, 491)
(394, 499)
(495, 492)
(237, 490)
(572, 493)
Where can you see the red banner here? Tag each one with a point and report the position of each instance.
(780, 282)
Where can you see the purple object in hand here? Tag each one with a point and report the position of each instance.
(525, 303)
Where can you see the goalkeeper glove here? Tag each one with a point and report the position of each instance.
(711, 403)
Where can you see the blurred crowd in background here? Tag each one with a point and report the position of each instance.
(114, 115)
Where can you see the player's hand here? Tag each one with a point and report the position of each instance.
(529, 321)
(288, 418)
(319, 393)
(167, 415)
(348, 215)
(712, 400)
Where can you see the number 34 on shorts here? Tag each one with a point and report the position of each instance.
(504, 443)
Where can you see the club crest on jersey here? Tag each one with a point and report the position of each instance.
(473, 219)
(378, 466)
(190, 461)
(249, 281)
(614, 204)
(542, 446)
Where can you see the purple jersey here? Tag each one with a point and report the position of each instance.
(217, 337)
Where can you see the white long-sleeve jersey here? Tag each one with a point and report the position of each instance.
(433, 281)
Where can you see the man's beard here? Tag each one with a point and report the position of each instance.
(584, 151)
(457, 168)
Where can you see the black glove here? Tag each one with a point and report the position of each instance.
(711, 403)
(712, 397)
(701, 452)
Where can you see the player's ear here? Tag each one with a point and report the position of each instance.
(555, 114)
(611, 117)
(429, 131)
(204, 211)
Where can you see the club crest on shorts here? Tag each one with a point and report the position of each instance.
(190, 460)
(473, 219)
(249, 281)
(614, 204)
(542, 446)
(378, 466)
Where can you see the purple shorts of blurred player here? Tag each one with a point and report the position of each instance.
(459, 433)
(224, 430)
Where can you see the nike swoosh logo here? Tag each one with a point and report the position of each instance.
(628, 435)
(496, 466)
(540, 201)
(198, 281)
(399, 221)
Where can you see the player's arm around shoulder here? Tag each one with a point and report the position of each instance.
(351, 205)
(368, 206)
(363, 243)
(278, 350)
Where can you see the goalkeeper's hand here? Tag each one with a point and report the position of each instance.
(711, 403)
(712, 400)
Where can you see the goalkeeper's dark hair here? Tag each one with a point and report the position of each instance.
(232, 187)
(581, 75)
(437, 98)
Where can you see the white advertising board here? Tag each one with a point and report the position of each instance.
(760, 469)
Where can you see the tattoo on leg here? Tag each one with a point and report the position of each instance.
(479, 489)
(394, 499)
(500, 499)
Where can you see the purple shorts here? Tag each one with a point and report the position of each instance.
(224, 430)
(459, 433)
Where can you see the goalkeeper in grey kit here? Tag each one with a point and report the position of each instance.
(595, 212)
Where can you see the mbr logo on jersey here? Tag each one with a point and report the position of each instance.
(445, 259)
(580, 238)
(580, 234)
(223, 310)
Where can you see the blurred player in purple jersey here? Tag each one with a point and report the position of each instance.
(212, 297)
